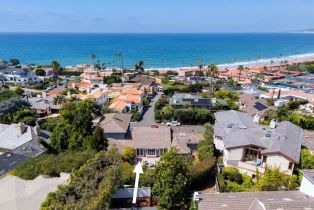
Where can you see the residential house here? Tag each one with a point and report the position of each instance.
(148, 84)
(81, 86)
(127, 100)
(291, 95)
(186, 138)
(183, 99)
(18, 75)
(309, 107)
(116, 125)
(307, 183)
(17, 143)
(267, 200)
(249, 146)
(43, 105)
(100, 97)
(93, 76)
(151, 142)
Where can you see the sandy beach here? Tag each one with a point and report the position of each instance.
(250, 64)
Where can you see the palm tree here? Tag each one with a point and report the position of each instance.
(93, 56)
(240, 68)
(58, 100)
(139, 67)
(56, 67)
(213, 71)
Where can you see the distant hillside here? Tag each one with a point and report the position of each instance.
(311, 30)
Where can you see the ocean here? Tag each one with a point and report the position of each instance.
(156, 50)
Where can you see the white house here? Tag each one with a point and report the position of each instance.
(18, 75)
(249, 146)
(307, 184)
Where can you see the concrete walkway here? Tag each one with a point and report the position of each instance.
(19, 194)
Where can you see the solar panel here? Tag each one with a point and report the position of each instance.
(259, 106)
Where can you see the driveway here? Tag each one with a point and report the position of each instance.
(148, 117)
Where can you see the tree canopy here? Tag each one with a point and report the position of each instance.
(172, 181)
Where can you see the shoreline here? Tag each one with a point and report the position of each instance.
(308, 57)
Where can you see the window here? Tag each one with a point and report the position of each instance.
(140, 152)
(290, 165)
(151, 152)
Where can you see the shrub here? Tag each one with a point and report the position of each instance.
(201, 172)
(19, 91)
(232, 174)
(307, 159)
(221, 182)
(51, 164)
(129, 155)
(40, 72)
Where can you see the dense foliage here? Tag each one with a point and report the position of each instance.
(271, 180)
(172, 181)
(51, 164)
(129, 155)
(206, 145)
(74, 129)
(186, 115)
(113, 78)
(307, 159)
(90, 187)
(171, 87)
(10, 103)
(230, 97)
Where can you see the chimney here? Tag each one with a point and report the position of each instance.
(21, 128)
(44, 94)
(273, 123)
(69, 94)
(36, 130)
(256, 118)
(73, 84)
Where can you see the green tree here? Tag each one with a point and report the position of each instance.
(213, 71)
(56, 67)
(274, 180)
(98, 141)
(25, 116)
(14, 61)
(59, 139)
(172, 181)
(40, 72)
(206, 145)
(129, 155)
(167, 112)
(307, 159)
(139, 67)
(19, 91)
(59, 100)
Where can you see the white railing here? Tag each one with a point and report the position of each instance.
(250, 167)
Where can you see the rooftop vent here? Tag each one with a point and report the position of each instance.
(242, 127)
(182, 134)
(229, 126)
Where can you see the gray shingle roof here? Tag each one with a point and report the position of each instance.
(150, 138)
(278, 200)
(309, 174)
(116, 123)
(11, 136)
(238, 129)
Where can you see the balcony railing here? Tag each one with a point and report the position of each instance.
(250, 167)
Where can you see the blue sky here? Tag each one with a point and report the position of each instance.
(137, 16)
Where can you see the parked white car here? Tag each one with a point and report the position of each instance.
(173, 123)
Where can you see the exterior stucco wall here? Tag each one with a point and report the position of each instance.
(307, 187)
(279, 161)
